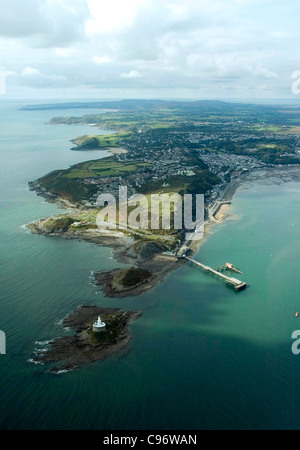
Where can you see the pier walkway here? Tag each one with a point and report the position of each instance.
(237, 284)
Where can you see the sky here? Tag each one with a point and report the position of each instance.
(149, 48)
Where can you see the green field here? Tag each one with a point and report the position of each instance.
(95, 142)
(264, 128)
(294, 121)
(107, 167)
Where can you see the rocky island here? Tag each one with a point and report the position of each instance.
(121, 283)
(86, 346)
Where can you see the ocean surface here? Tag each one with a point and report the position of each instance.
(201, 357)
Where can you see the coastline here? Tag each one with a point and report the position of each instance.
(151, 258)
(220, 353)
(156, 262)
(159, 265)
(222, 212)
(111, 150)
(71, 352)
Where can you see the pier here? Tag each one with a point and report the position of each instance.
(237, 284)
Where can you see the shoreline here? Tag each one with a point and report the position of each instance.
(159, 265)
(156, 262)
(75, 351)
(222, 212)
(112, 150)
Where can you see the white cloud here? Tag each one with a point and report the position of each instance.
(112, 15)
(44, 23)
(261, 71)
(30, 71)
(212, 46)
(102, 60)
(132, 74)
(64, 52)
(33, 77)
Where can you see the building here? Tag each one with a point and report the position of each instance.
(99, 327)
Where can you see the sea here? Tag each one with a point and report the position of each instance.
(202, 356)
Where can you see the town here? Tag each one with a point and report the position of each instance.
(174, 147)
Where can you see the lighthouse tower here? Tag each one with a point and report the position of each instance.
(99, 327)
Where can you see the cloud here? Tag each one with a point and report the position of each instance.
(33, 77)
(112, 15)
(213, 47)
(45, 23)
(102, 59)
(132, 74)
(30, 72)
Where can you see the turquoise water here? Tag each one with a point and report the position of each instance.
(201, 357)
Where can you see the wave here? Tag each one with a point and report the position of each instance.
(37, 363)
(43, 343)
(60, 322)
(38, 351)
(63, 371)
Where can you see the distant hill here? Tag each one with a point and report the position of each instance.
(135, 104)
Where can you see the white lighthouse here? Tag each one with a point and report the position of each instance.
(99, 327)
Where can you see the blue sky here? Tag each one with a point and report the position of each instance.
(149, 48)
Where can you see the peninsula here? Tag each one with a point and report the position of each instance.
(166, 147)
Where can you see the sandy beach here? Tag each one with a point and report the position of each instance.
(223, 212)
